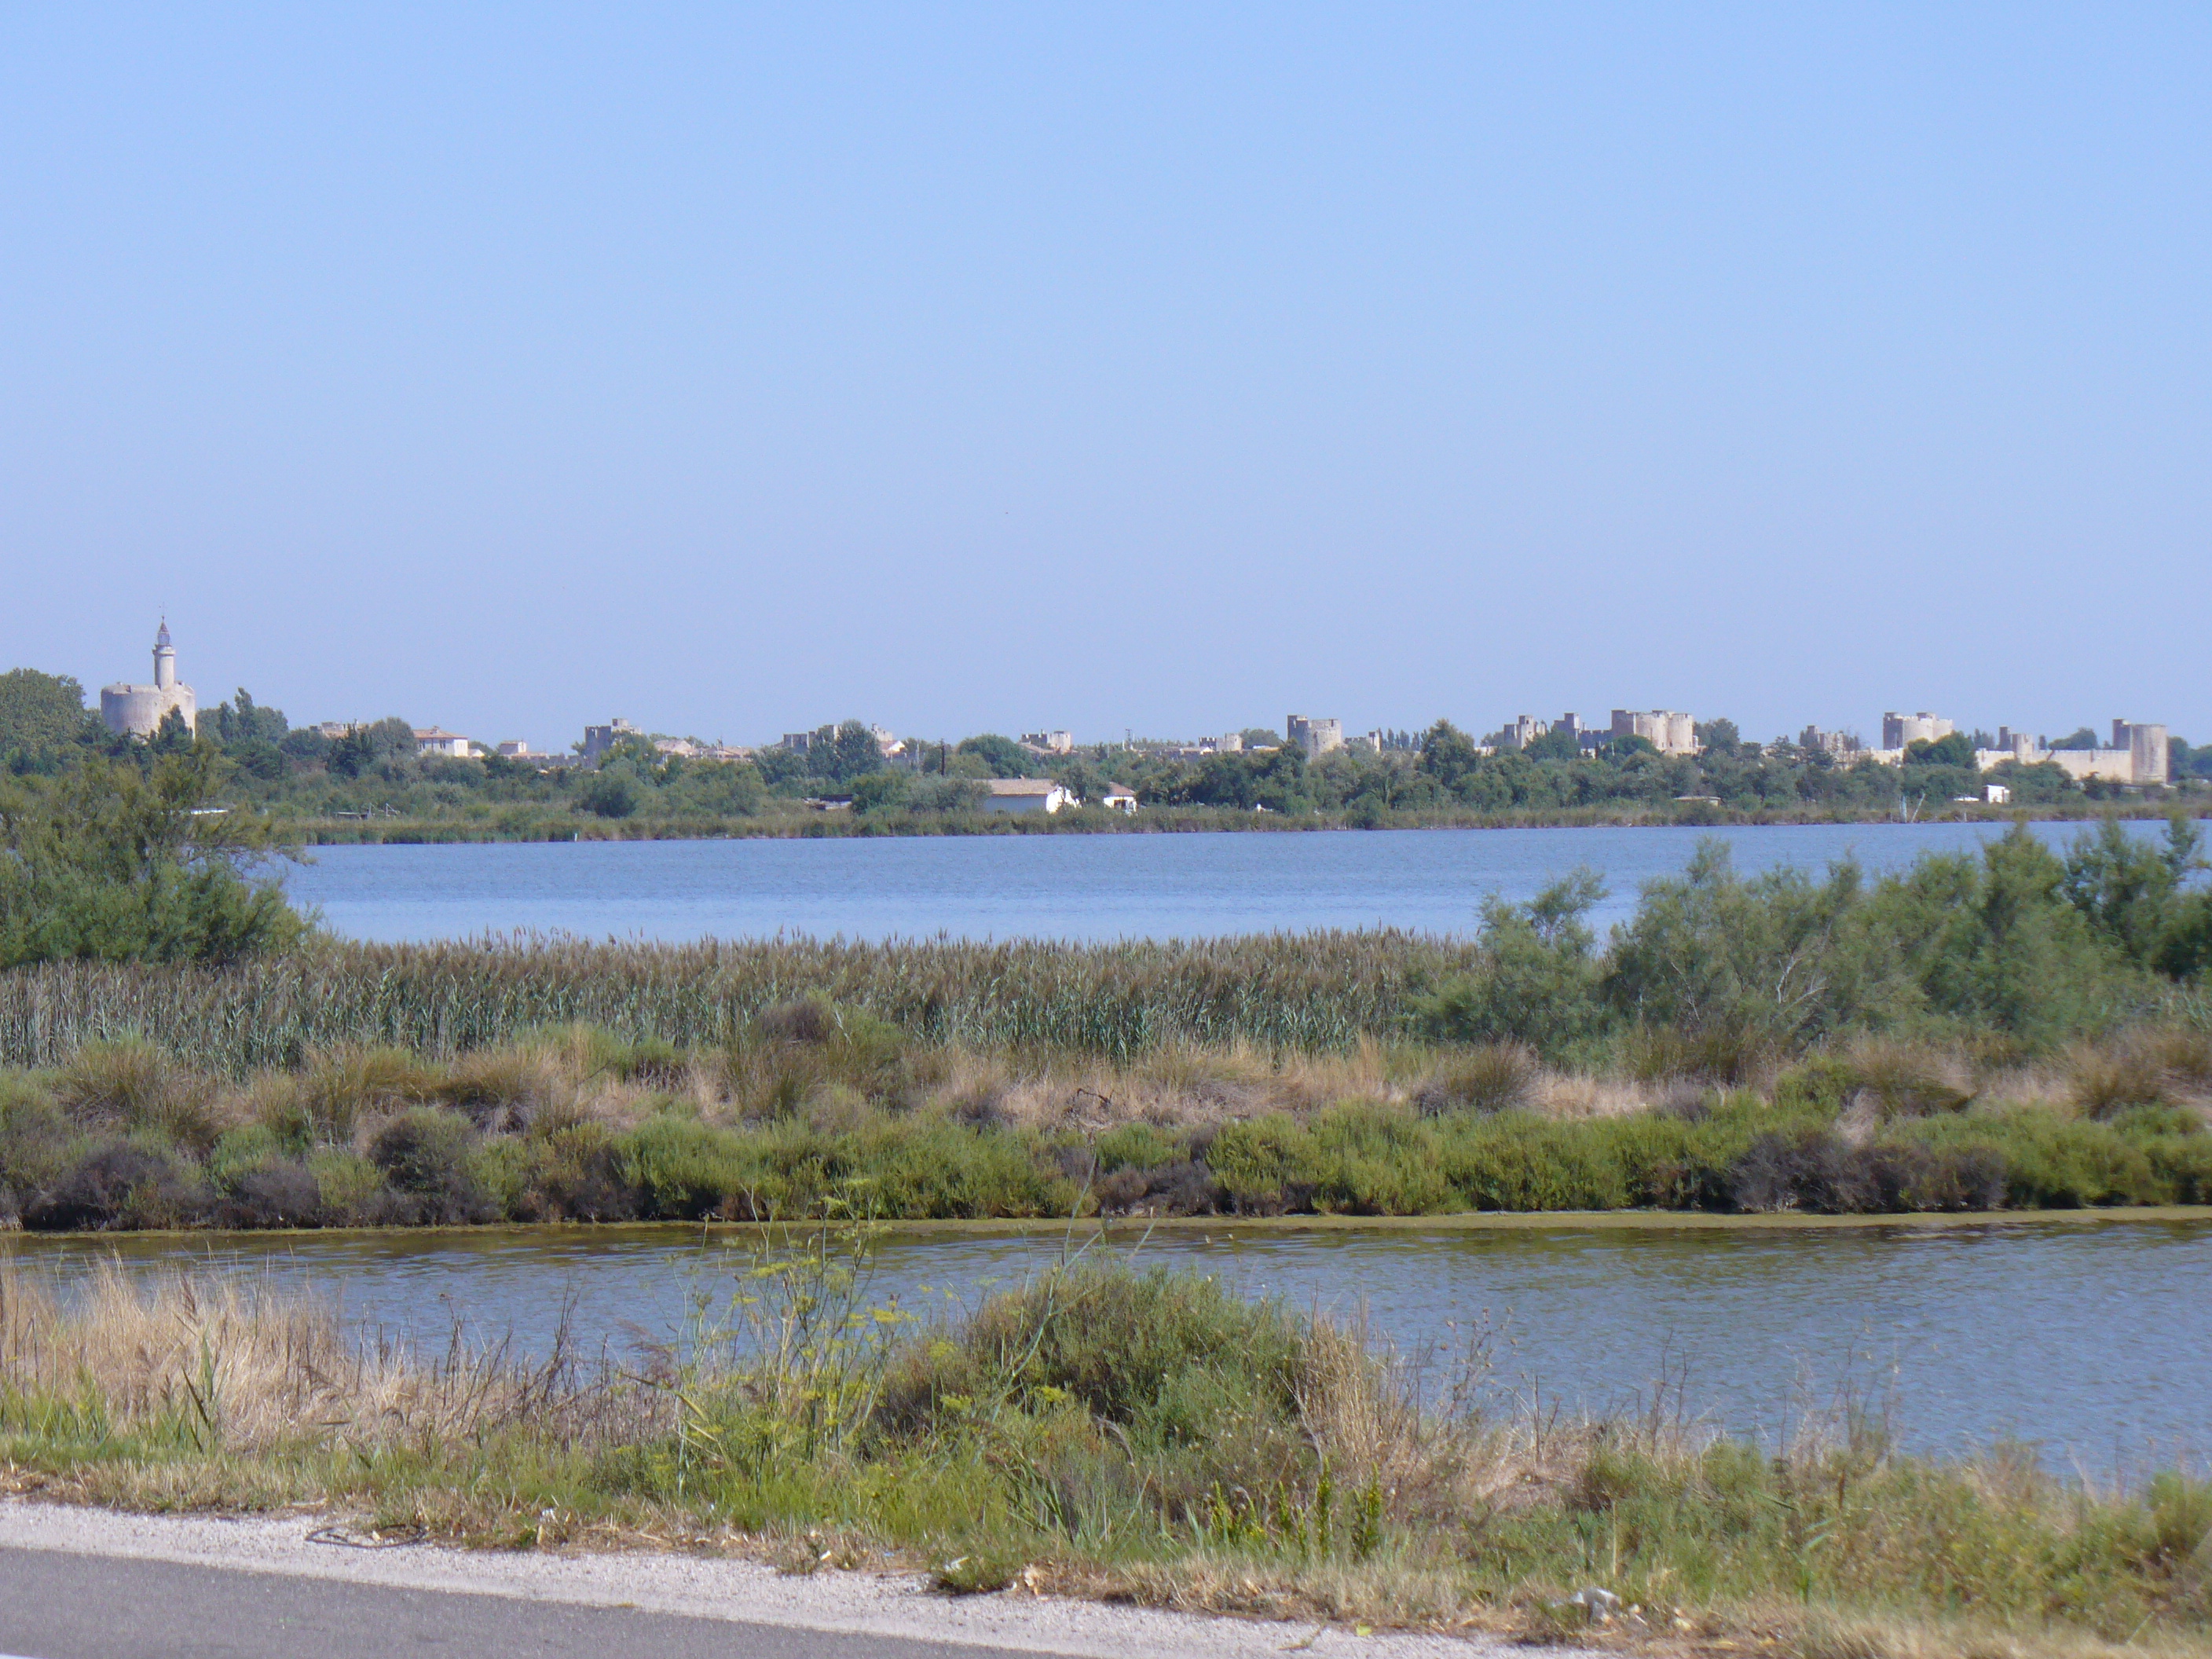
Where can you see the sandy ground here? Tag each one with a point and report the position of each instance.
(898, 1605)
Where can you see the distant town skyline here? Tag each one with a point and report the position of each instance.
(988, 367)
(140, 706)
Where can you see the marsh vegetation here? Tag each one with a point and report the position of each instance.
(1099, 1432)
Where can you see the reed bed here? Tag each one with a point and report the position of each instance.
(1312, 992)
(1095, 1432)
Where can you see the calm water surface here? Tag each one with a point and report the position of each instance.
(1070, 886)
(2093, 1342)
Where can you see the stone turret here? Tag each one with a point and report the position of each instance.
(140, 709)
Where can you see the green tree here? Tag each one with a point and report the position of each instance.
(1006, 758)
(1994, 941)
(243, 720)
(2137, 896)
(1956, 748)
(610, 794)
(40, 715)
(1719, 737)
(1772, 961)
(852, 752)
(1536, 982)
(1554, 745)
(880, 792)
(118, 863)
(1448, 755)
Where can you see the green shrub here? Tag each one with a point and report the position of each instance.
(241, 1152)
(350, 1187)
(1134, 1147)
(427, 1156)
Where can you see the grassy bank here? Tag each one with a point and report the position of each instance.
(810, 1100)
(1097, 1433)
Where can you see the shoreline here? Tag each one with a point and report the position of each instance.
(1173, 821)
(1474, 1221)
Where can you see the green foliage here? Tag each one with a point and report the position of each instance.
(42, 716)
(881, 792)
(1770, 960)
(242, 721)
(1005, 757)
(1956, 748)
(1552, 744)
(116, 864)
(608, 795)
(1537, 983)
(2138, 898)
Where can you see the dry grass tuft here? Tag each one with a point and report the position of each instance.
(1497, 1076)
(1906, 1079)
(2105, 1080)
(218, 1368)
(132, 1085)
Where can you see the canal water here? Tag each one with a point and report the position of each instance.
(2093, 1342)
(1064, 886)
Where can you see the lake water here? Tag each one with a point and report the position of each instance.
(1066, 886)
(2093, 1342)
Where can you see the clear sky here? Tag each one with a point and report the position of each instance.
(1166, 367)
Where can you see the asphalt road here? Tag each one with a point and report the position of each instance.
(57, 1605)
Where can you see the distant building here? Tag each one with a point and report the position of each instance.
(1201, 748)
(515, 749)
(2146, 748)
(598, 739)
(1842, 745)
(1585, 737)
(1052, 742)
(1522, 732)
(1901, 731)
(1997, 794)
(1667, 730)
(335, 729)
(1316, 737)
(140, 709)
(1026, 795)
(1116, 798)
(434, 740)
(2138, 755)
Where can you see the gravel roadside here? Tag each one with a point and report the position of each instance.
(890, 1605)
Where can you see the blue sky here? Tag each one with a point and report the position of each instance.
(1166, 369)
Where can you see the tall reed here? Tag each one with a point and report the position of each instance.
(1316, 992)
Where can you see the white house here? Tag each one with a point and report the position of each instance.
(1116, 798)
(434, 740)
(1026, 795)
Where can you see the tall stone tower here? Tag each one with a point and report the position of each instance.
(140, 709)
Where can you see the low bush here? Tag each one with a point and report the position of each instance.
(426, 1158)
